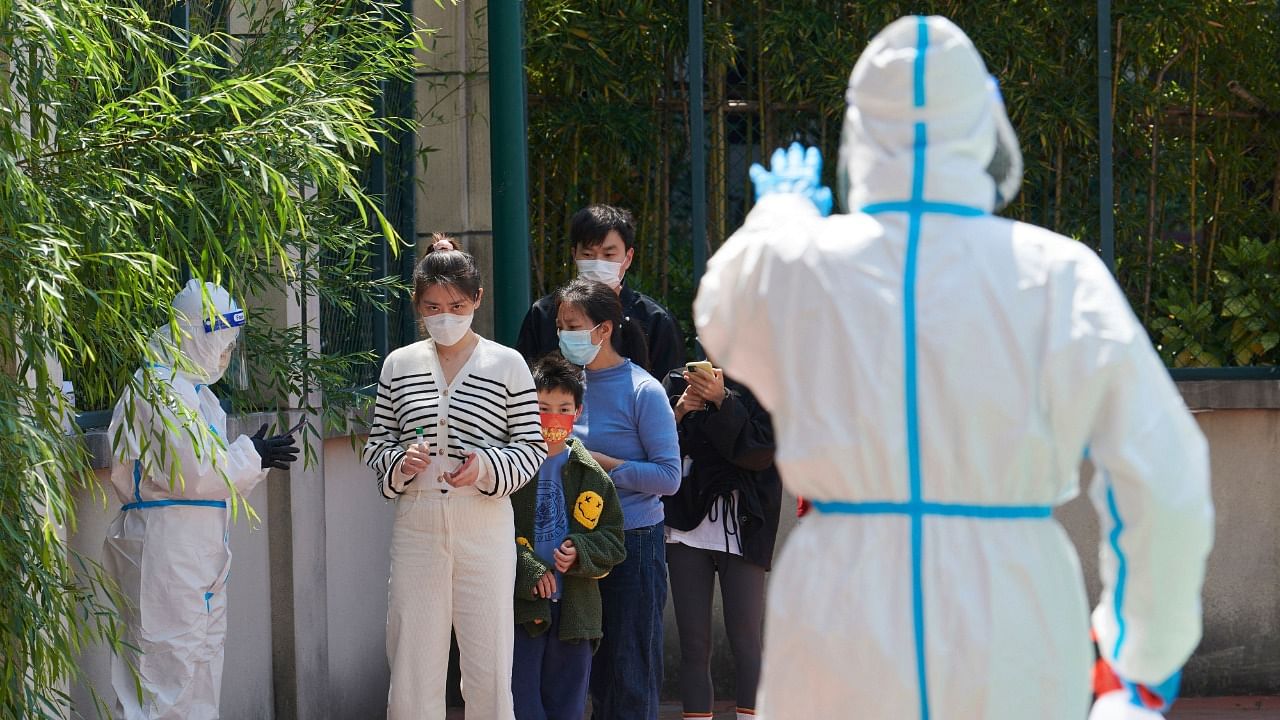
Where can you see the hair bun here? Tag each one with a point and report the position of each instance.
(442, 243)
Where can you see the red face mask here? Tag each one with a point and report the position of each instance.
(556, 427)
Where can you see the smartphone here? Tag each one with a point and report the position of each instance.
(702, 365)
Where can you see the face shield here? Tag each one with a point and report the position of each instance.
(233, 369)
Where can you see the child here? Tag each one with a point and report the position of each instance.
(568, 535)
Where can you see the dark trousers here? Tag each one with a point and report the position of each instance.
(627, 671)
(693, 578)
(549, 675)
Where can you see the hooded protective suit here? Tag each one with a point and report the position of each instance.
(167, 549)
(935, 376)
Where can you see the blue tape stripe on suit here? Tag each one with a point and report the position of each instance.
(1122, 569)
(964, 510)
(145, 504)
(923, 207)
(909, 348)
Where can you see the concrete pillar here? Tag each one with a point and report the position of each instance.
(298, 558)
(452, 97)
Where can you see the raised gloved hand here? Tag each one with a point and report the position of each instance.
(276, 451)
(797, 171)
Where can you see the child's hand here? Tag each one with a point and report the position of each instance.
(546, 585)
(565, 556)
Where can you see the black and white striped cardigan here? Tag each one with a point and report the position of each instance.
(490, 408)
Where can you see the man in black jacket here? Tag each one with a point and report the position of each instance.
(603, 239)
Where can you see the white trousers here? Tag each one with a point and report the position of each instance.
(453, 564)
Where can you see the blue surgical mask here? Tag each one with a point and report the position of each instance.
(576, 346)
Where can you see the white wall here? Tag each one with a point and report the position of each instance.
(359, 553)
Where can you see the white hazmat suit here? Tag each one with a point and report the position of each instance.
(935, 375)
(167, 549)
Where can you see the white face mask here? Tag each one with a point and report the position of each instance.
(446, 328)
(609, 273)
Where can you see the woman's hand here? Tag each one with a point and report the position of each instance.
(465, 474)
(416, 459)
(606, 462)
(710, 387)
(690, 401)
(546, 585)
(565, 556)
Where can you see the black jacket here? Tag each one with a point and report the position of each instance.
(666, 344)
(731, 448)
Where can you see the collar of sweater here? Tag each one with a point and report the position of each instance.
(622, 369)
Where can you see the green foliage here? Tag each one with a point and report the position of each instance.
(1242, 316)
(134, 153)
(1197, 131)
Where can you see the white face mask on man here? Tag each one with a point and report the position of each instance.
(604, 271)
(446, 328)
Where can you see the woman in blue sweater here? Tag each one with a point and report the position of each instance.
(629, 427)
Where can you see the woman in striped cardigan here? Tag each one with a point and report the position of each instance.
(455, 432)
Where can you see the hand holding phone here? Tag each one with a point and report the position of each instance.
(706, 381)
(699, 366)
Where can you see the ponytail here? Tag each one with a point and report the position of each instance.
(629, 340)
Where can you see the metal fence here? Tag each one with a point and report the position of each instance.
(1150, 133)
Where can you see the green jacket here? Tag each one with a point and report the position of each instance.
(595, 527)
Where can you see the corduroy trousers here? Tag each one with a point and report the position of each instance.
(453, 565)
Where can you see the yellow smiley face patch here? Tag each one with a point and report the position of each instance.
(587, 509)
(524, 541)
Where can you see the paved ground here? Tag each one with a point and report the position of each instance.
(1231, 708)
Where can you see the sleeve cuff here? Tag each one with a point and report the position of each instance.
(486, 480)
(392, 485)
(620, 470)
(1158, 697)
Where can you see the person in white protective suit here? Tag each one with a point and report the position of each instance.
(167, 549)
(935, 375)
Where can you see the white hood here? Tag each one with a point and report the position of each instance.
(887, 116)
(209, 321)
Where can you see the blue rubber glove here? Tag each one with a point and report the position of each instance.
(797, 171)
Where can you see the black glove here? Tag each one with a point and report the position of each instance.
(276, 451)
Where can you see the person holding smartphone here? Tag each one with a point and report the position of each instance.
(455, 432)
(721, 523)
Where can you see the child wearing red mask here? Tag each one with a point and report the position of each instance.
(568, 534)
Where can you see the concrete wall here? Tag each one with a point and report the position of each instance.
(359, 555)
(1240, 652)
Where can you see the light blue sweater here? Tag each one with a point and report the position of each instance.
(626, 415)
